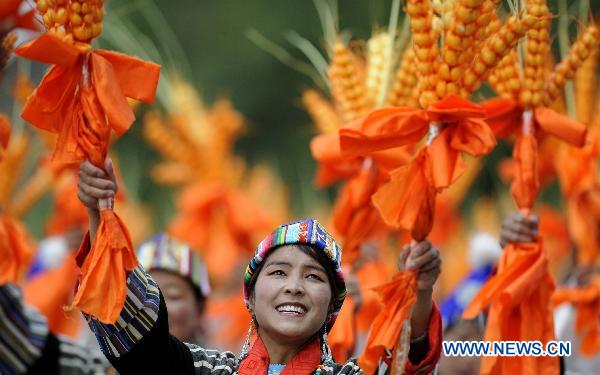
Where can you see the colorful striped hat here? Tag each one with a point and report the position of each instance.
(162, 252)
(302, 232)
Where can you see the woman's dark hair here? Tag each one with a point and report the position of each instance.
(319, 256)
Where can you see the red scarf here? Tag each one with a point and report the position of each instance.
(303, 363)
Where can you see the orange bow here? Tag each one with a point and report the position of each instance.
(15, 251)
(354, 216)
(331, 167)
(519, 295)
(587, 301)
(408, 200)
(335, 165)
(505, 118)
(391, 328)
(219, 223)
(387, 128)
(9, 10)
(5, 131)
(576, 170)
(84, 95)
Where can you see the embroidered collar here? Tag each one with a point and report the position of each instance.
(303, 363)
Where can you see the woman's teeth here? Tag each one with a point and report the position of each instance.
(291, 309)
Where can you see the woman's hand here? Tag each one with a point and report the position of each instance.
(518, 228)
(427, 262)
(425, 259)
(95, 184)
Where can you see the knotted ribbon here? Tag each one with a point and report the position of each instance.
(82, 98)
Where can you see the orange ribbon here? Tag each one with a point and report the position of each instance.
(9, 9)
(408, 200)
(15, 252)
(576, 170)
(335, 165)
(84, 95)
(391, 328)
(354, 216)
(220, 223)
(5, 131)
(519, 295)
(505, 118)
(465, 128)
(103, 288)
(587, 302)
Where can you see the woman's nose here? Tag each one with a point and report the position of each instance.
(294, 287)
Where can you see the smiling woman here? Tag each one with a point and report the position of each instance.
(293, 288)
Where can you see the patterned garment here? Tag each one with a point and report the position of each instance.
(210, 362)
(26, 345)
(145, 317)
(23, 332)
(302, 232)
(139, 314)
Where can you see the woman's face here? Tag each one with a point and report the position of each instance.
(291, 296)
(185, 315)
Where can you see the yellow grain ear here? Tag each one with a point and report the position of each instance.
(425, 47)
(72, 20)
(495, 48)
(585, 45)
(346, 75)
(537, 47)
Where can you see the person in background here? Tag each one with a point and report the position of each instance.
(517, 228)
(183, 280)
(28, 347)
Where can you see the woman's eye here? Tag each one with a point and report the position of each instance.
(314, 276)
(173, 296)
(277, 273)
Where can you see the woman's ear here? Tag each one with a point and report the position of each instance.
(251, 303)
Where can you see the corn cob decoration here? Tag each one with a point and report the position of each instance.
(585, 45)
(495, 48)
(585, 87)
(170, 146)
(377, 64)
(537, 48)
(487, 22)
(347, 87)
(172, 173)
(505, 79)
(76, 21)
(458, 39)
(195, 154)
(404, 91)
(425, 47)
(321, 111)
